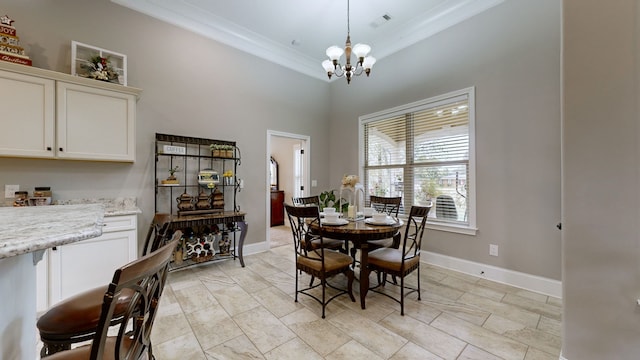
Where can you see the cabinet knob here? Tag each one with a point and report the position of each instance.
(60, 149)
(48, 148)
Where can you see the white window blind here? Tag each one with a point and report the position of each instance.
(423, 152)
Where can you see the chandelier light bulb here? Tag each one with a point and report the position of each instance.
(368, 62)
(334, 53)
(328, 67)
(361, 50)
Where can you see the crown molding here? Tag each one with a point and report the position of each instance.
(192, 18)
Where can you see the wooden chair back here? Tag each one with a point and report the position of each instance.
(389, 205)
(146, 278)
(300, 219)
(414, 230)
(157, 233)
(304, 201)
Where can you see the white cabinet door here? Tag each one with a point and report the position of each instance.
(86, 264)
(95, 124)
(28, 115)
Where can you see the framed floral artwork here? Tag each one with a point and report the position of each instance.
(97, 63)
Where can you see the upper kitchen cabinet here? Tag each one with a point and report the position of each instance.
(54, 115)
(28, 115)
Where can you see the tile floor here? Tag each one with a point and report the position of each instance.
(224, 311)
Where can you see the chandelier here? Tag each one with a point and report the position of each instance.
(333, 67)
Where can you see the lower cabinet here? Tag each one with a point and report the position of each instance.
(277, 208)
(73, 268)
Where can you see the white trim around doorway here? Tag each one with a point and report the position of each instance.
(306, 171)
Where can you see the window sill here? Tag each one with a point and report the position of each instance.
(459, 229)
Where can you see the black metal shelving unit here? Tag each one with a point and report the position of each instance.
(207, 229)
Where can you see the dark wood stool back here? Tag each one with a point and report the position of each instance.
(144, 279)
(75, 319)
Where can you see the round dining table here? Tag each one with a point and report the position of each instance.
(359, 233)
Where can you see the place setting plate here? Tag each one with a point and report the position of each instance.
(387, 221)
(338, 222)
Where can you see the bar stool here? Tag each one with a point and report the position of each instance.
(75, 319)
(144, 279)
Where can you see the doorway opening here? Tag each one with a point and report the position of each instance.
(288, 156)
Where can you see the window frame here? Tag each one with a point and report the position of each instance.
(469, 93)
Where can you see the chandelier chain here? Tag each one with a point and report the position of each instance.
(348, 20)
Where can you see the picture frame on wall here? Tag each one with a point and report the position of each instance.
(97, 63)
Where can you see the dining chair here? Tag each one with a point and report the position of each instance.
(75, 319)
(328, 243)
(390, 206)
(305, 201)
(402, 261)
(144, 278)
(316, 260)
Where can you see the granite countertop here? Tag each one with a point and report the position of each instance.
(28, 229)
(112, 207)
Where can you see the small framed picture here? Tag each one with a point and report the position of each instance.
(97, 63)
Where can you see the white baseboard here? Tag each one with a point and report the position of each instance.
(254, 248)
(529, 282)
(534, 283)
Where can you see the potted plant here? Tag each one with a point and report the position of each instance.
(328, 199)
(221, 150)
(172, 177)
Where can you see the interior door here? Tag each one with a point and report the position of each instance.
(298, 171)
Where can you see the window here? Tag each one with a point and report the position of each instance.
(424, 152)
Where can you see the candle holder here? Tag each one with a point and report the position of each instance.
(354, 197)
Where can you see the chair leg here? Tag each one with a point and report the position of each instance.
(50, 349)
(402, 296)
(296, 297)
(418, 270)
(324, 287)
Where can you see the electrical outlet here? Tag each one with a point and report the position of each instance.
(493, 250)
(10, 190)
(314, 183)
(241, 183)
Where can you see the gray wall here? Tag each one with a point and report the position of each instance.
(191, 86)
(511, 54)
(601, 319)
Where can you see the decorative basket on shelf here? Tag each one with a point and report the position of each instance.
(220, 150)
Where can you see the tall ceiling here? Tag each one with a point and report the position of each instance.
(296, 33)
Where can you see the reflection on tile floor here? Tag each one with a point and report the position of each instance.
(224, 311)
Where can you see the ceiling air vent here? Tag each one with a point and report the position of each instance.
(377, 22)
